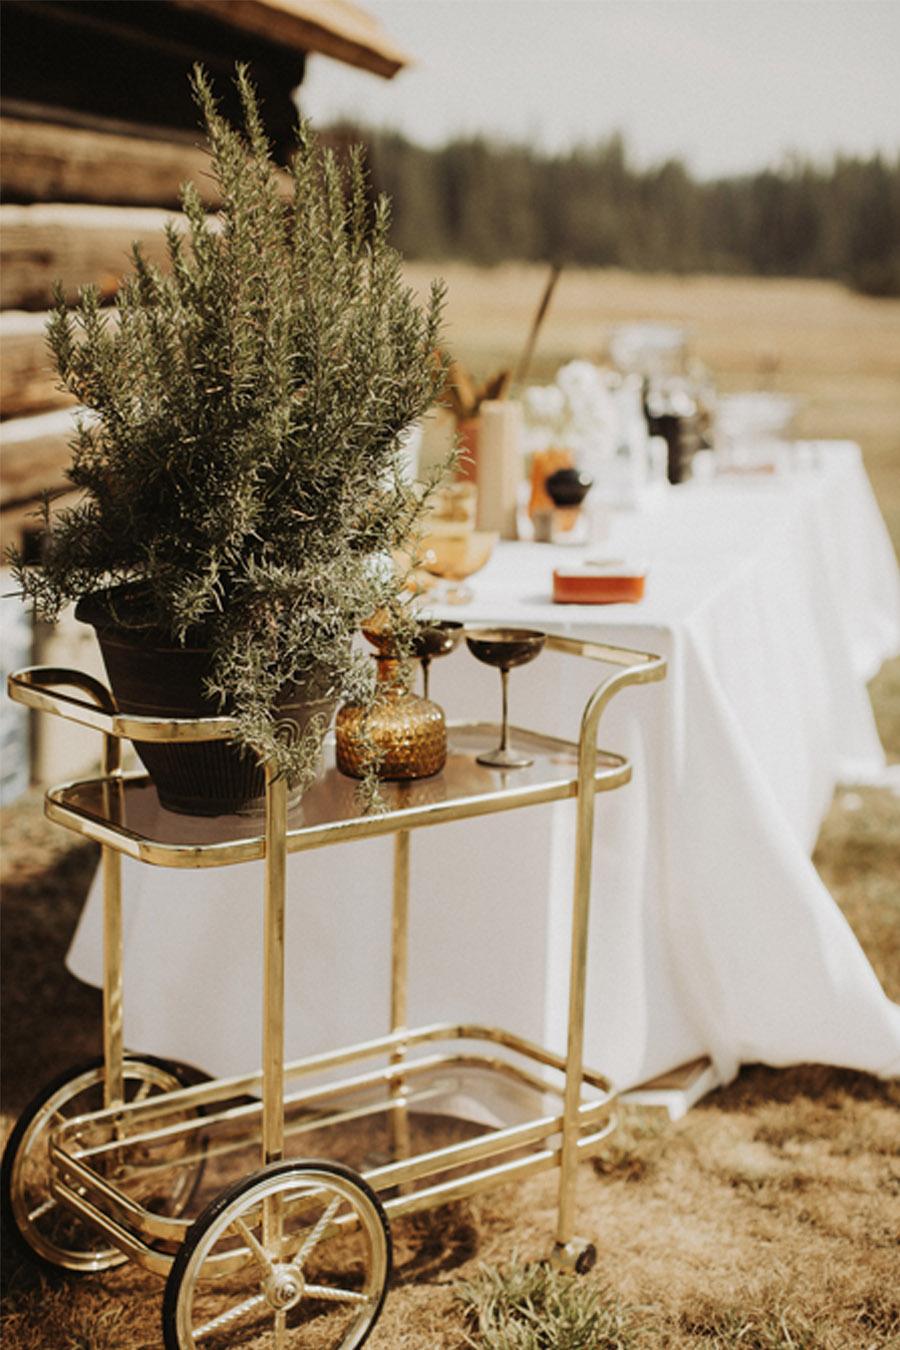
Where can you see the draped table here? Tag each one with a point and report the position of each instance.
(774, 601)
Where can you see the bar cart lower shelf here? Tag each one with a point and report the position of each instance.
(266, 1199)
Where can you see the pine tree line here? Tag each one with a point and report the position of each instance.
(486, 202)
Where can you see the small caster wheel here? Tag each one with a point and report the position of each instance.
(577, 1256)
(299, 1249)
(51, 1231)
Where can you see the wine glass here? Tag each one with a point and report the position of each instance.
(436, 637)
(505, 648)
(454, 557)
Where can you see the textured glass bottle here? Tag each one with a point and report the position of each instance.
(407, 735)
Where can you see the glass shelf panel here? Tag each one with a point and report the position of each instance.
(126, 813)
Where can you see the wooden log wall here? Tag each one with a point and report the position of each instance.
(129, 60)
(41, 244)
(28, 382)
(75, 245)
(49, 161)
(35, 453)
(99, 132)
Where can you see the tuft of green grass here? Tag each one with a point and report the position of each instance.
(736, 1328)
(634, 1149)
(534, 1307)
(885, 694)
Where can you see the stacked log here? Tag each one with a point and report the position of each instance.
(99, 132)
(50, 161)
(40, 245)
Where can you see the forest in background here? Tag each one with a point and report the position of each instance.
(486, 202)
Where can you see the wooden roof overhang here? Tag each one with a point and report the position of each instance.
(120, 67)
(99, 130)
(335, 28)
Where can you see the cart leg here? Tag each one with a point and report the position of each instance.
(273, 996)
(569, 1251)
(113, 1092)
(399, 974)
(113, 1011)
(400, 933)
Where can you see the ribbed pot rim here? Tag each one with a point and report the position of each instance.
(93, 609)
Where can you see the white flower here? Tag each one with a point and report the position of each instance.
(544, 403)
(577, 411)
(579, 379)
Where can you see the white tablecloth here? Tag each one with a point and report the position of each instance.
(774, 601)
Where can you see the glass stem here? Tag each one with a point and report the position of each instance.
(426, 663)
(504, 728)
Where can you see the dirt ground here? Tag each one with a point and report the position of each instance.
(768, 1218)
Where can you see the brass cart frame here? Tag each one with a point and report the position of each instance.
(220, 1116)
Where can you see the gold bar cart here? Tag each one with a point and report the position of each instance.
(136, 1157)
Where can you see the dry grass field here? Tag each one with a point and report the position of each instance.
(768, 1218)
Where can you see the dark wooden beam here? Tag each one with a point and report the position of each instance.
(46, 162)
(344, 32)
(28, 379)
(35, 452)
(131, 59)
(74, 244)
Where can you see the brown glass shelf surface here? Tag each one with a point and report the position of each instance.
(125, 813)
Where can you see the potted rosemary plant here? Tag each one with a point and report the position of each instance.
(241, 459)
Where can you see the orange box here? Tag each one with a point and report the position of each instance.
(603, 585)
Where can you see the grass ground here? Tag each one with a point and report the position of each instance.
(768, 1218)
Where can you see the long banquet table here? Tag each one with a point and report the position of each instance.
(774, 601)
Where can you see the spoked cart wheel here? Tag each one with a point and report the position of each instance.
(51, 1230)
(295, 1255)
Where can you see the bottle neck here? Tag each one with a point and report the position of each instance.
(389, 675)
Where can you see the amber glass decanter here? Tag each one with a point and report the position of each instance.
(404, 734)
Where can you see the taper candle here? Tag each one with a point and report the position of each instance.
(499, 465)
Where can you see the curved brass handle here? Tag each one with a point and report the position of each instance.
(45, 678)
(611, 655)
(36, 687)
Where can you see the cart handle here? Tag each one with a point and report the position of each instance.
(35, 687)
(635, 667)
(612, 656)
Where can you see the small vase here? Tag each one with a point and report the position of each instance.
(404, 736)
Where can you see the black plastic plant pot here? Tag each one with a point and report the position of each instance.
(150, 677)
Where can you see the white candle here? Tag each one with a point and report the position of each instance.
(499, 465)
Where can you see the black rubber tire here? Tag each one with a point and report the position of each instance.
(186, 1074)
(587, 1259)
(232, 1193)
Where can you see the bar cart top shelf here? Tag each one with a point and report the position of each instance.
(125, 811)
